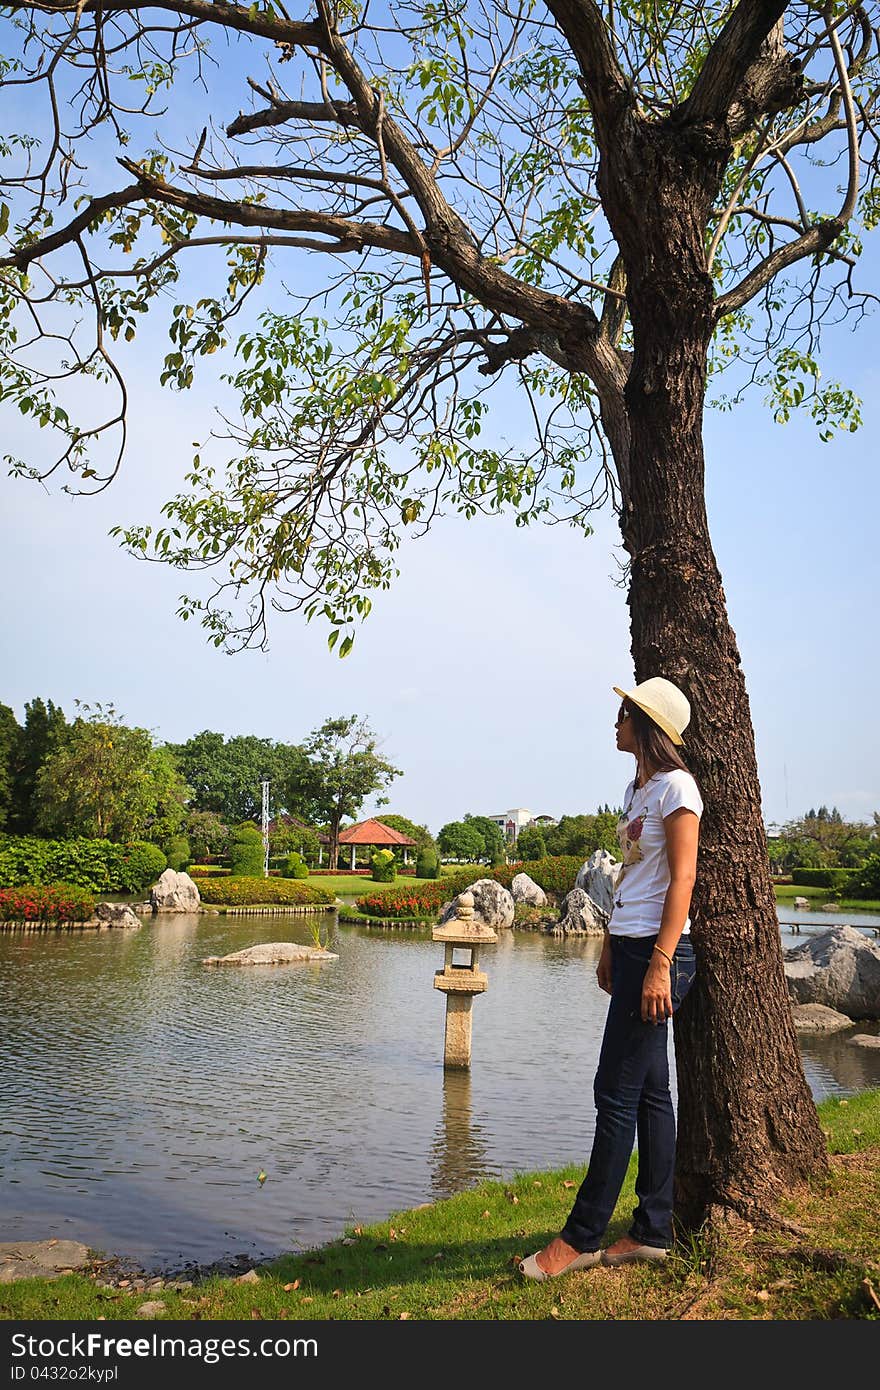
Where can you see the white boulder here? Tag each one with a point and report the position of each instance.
(839, 968)
(580, 916)
(175, 892)
(525, 890)
(116, 915)
(271, 953)
(493, 904)
(597, 877)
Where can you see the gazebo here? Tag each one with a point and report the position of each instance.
(373, 834)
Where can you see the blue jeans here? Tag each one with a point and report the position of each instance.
(632, 1096)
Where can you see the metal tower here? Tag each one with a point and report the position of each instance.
(265, 827)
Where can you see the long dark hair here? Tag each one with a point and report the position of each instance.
(655, 747)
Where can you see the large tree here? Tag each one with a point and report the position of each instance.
(10, 733)
(107, 781)
(344, 766)
(608, 203)
(226, 775)
(44, 728)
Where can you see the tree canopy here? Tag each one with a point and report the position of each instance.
(343, 767)
(106, 781)
(452, 163)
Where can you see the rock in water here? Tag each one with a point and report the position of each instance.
(839, 968)
(271, 953)
(175, 892)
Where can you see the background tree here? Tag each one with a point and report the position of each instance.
(224, 775)
(292, 838)
(420, 833)
(461, 840)
(10, 733)
(822, 840)
(44, 727)
(343, 767)
(105, 781)
(530, 843)
(207, 833)
(610, 203)
(494, 843)
(584, 834)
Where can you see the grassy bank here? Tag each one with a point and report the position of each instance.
(457, 1259)
(787, 892)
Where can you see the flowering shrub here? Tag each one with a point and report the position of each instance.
(244, 892)
(384, 868)
(58, 902)
(555, 874)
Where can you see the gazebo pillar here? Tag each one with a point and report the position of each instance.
(353, 855)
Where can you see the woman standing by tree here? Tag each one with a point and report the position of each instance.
(647, 966)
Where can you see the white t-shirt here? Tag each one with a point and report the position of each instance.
(644, 878)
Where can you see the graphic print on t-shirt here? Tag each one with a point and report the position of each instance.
(629, 833)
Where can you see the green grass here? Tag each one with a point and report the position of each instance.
(359, 885)
(457, 1259)
(787, 892)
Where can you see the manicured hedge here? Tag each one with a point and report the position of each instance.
(62, 902)
(244, 892)
(837, 879)
(96, 864)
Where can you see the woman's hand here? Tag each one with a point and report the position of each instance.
(657, 991)
(603, 969)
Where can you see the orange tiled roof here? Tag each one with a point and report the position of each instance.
(373, 832)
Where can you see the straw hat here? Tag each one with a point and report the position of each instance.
(661, 701)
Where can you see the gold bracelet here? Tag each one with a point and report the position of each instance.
(664, 953)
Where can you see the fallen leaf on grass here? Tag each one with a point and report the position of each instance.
(308, 1300)
(289, 1287)
(256, 1315)
(403, 1317)
(486, 1213)
(763, 1295)
(358, 1230)
(568, 1183)
(512, 1197)
(337, 1293)
(536, 1183)
(870, 1293)
(554, 1312)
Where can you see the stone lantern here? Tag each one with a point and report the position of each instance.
(460, 979)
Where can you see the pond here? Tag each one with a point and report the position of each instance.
(144, 1092)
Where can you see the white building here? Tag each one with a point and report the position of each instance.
(512, 822)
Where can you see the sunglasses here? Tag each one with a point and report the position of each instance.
(622, 714)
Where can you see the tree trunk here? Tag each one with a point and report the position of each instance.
(747, 1122)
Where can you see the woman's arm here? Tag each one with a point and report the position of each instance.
(682, 829)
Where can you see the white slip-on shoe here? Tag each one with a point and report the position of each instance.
(646, 1253)
(530, 1268)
